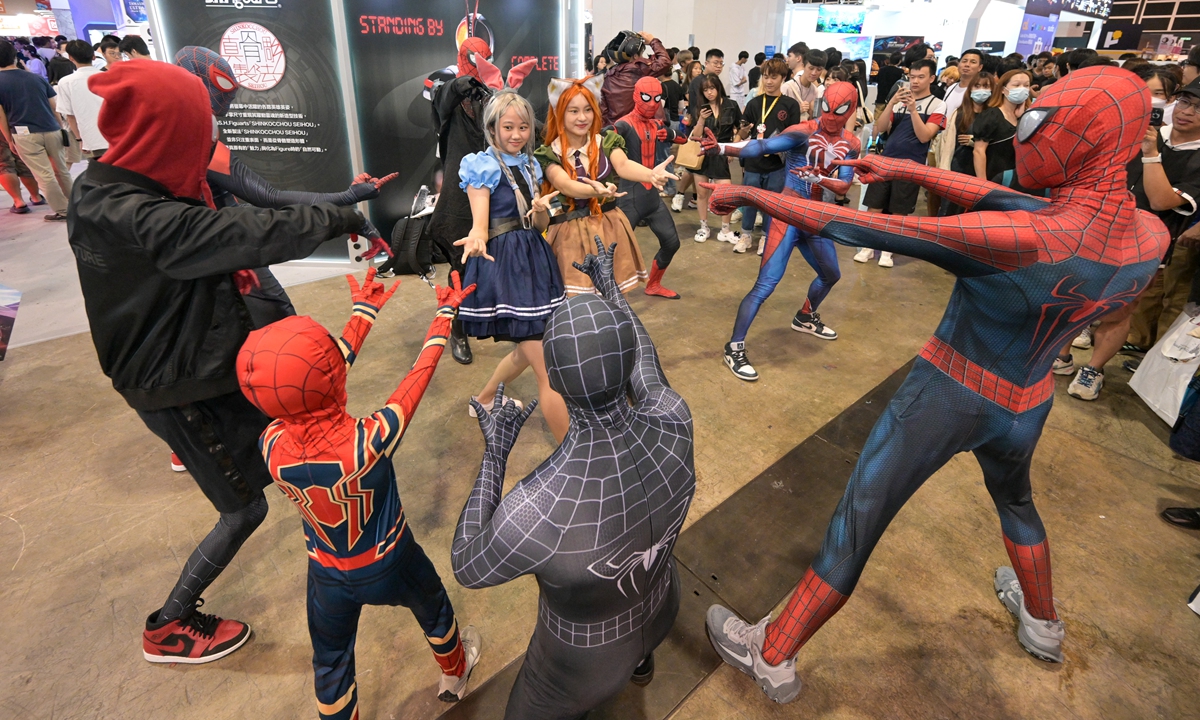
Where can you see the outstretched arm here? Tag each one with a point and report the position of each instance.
(783, 142)
(395, 417)
(965, 190)
(648, 374)
(368, 301)
(495, 541)
(969, 245)
(234, 176)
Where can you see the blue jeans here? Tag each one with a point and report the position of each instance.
(773, 182)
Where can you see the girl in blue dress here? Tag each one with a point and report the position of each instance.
(518, 283)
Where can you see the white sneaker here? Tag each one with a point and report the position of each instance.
(703, 233)
(885, 259)
(451, 688)
(740, 644)
(1194, 601)
(1063, 366)
(758, 219)
(762, 243)
(743, 243)
(488, 406)
(1042, 639)
(677, 203)
(1083, 341)
(1087, 384)
(727, 235)
(736, 216)
(864, 255)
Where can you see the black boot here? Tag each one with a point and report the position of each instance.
(460, 348)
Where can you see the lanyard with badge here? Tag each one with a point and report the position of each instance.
(766, 113)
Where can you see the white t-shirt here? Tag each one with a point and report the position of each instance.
(954, 98)
(74, 98)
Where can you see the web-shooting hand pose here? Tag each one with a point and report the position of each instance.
(811, 150)
(597, 521)
(1031, 274)
(337, 470)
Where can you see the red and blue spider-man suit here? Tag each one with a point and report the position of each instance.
(337, 469)
(811, 148)
(1031, 274)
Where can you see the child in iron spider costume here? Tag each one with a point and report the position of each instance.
(812, 148)
(1031, 274)
(645, 135)
(337, 469)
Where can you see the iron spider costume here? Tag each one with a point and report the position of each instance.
(643, 132)
(338, 471)
(1031, 274)
(811, 150)
(597, 521)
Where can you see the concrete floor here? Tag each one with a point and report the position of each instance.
(94, 527)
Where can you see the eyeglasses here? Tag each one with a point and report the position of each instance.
(1189, 105)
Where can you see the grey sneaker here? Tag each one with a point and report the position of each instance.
(451, 688)
(1087, 383)
(740, 644)
(1041, 638)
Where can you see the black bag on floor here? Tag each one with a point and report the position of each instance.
(412, 246)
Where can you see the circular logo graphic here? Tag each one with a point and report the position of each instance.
(255, 55)
(782, 115)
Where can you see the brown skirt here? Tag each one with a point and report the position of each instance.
(573, 241)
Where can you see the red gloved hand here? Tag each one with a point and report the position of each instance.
(663, 133)
(724, 199)
(709, 143)
(377, 246)
(871, 168)
(371, 293)
(377, 182)
(449, 298)
(245, 281)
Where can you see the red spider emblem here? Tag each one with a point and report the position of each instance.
(1073, 308)
(344, 502)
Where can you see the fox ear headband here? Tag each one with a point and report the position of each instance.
(558, 86)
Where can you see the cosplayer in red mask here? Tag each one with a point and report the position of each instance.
(982, 383)
(627, 67)
(156, 267)
(810, 149)
(337, 469)
(647, 140)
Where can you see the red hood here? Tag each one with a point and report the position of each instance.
(158, 123)
(292, 370)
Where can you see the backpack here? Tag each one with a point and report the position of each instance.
(412, 246)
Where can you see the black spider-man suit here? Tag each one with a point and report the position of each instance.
(1031, 274)
(597, 521)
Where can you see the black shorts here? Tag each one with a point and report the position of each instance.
(217, 439)
(894, 197)
(715, 167)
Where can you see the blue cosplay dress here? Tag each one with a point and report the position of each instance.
(515, 294)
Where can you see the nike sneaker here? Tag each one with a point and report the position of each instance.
(1041, 638)
(811, 323)
(740, 644)
(452, 688)
(735, 358)
(195, 640)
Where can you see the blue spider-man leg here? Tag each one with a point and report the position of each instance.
(821, 254)
(774, 263)
(931, 418)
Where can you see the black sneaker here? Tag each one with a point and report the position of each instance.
(811, 323)
(55, 217)
(735, 358)
(644, 672)
(1131, 349)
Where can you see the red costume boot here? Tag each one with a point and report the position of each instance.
(653, 286)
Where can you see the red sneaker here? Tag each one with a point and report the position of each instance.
(177, 464)
(198, 639)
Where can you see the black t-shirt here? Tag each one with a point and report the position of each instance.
(1182, 167)
(672, 95)
(993, 128)
(754, 76)
(781, 112)
(887, 77)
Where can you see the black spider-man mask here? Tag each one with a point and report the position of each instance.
(590, 347)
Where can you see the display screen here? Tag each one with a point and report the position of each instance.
(854, 47)
(1091, 8)
(840, 19)
(400, 49)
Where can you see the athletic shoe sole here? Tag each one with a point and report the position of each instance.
(810, 331)
(168, 659)
(747, 378)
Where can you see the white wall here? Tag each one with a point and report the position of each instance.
(1001, 22)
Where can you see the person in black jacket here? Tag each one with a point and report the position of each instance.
(161, 273)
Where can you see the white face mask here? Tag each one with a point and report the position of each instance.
(1016, 96)
(981, 96)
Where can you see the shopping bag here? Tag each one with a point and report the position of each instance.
(691, 155)
(1163, 376)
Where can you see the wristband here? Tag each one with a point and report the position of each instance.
(1156, 160)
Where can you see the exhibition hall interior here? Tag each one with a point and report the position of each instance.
(606, 359)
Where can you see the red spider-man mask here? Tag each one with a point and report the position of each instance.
(1083, 130)
(292, 370)
(647, 97)
(471, 49)
(837, 107)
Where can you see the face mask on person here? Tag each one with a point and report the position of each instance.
(981, 96)
(1016, 96)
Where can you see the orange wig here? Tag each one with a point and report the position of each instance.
(555, 125)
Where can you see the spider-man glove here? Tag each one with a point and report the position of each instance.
(449, 298)
(245, 281)
(371, 233)
(501, 424)
(875, 168)
(709, 143)
(599, 268)
(372, 293)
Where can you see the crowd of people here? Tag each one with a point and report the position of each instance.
(547, 206)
